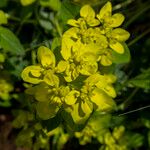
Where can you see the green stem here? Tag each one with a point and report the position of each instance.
(139, 13)
(139, 37)
(128, 100)
(123, 4)
(13, 18)
(135, 110)
(58, 28)
(36, 46)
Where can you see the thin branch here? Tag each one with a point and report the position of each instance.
(132, 111)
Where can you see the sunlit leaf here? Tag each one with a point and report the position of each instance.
(9, 42)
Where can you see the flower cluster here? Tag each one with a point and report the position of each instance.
(76, 83)
(110, 137)
(5, 89)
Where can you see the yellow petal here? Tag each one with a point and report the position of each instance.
(51, 79)
(120, 34)
(73, 22)
(88, 68)
(110, 91)
(117, 47)
(102, 41)
(92, 22)
(102, 100)
(39, 91)
(68, 41)
(76, 116)
(93, 79)
(68, 78)
(87, 49)
(110, 78)
(105, 11)
(46, 57)
(118, 132)
(87, 12)
(86, 108)
(71, 73)
(89, 57)
(116, 20)
(71, 97)
(61, 67)
(105, 60)
(32, 74)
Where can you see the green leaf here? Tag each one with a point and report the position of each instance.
(68, 11)
(5, 103)
(3, 3)
(52, 123)
(46, 111)
(53, 4)
(135, 140)
(46, 24)
(2, 58)
(121, 58)
(9, 42)
(55, 43)
(99, 121)
(71, 126)
(142, 80)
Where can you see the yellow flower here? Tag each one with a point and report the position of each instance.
(71, 97)
(107, 19)
(80, 111)
(116, 38)
(103, 82)
(101, 91)
(106, 58)
(118, 132)
(79, 62)
(102, 100)
(88, 17)
(44, 71)
(82, 41)
(5, 88)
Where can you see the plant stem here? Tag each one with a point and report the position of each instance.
(128, 100)
(139, 13)
(135, 110)
(123, 4)
(139, 37)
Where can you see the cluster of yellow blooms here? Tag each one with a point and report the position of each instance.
(110, 141)
(76, 83)
(5, 87)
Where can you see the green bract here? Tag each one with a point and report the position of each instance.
(75, 84)
(3, 18)
(27, 2)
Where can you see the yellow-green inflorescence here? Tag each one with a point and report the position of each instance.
(76, 83)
